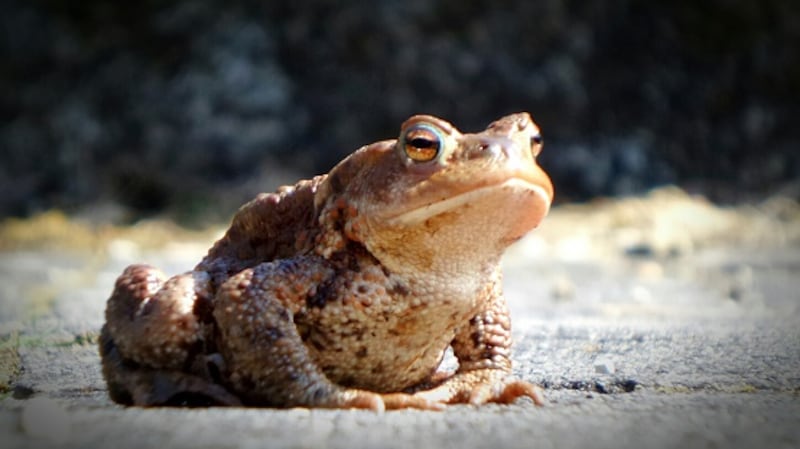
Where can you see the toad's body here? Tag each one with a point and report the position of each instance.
(346, 290)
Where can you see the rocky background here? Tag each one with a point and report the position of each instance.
(189, 107)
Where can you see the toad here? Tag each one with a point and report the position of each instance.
(346, 290)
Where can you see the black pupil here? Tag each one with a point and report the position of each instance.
(537, 139)
(421, 142)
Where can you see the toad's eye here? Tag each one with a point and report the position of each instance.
(536, 144)
(422, 143)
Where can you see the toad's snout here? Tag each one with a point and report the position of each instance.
(500, 147)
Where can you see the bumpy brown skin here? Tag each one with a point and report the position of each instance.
(345, 290)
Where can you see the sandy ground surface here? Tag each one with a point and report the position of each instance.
(660, 321)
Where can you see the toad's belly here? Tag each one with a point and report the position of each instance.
(384, 353)
(383, 365)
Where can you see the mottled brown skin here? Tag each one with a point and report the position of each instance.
(345, 290)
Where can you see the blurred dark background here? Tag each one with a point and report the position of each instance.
(190, 107)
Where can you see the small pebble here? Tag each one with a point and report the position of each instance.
(604, 366)
(45, 419)
(562, 289)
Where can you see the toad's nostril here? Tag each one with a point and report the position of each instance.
(493, 149)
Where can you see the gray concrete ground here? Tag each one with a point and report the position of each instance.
(651, 322)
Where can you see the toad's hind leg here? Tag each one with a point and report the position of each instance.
(266, 359)
(153, 333)
(152, 320)
(133, 384)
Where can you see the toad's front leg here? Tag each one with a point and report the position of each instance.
(266, 360)
(483, 349)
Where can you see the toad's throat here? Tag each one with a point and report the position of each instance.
(513, 186)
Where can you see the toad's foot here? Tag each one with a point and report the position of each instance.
(481, 387)
(395, 401)
(353, 398)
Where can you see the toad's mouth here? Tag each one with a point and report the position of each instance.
(511, 188)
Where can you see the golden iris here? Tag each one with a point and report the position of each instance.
(422, 143)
